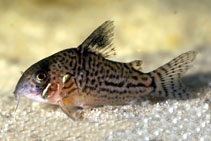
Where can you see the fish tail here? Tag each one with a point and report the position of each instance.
(167, 78)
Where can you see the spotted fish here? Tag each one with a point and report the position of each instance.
(84, 77)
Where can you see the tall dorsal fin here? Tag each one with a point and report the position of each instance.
(100, 41)
(136, 64)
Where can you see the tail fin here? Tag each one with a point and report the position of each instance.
(168, 77)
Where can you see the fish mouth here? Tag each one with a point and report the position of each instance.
(20, 87)
(38, 93)
(18, 90)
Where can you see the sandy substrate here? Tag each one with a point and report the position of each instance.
(154, 31)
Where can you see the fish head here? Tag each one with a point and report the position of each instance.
(37, 82)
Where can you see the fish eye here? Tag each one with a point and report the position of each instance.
(40, 76)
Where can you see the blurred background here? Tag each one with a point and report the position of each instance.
(153, 30)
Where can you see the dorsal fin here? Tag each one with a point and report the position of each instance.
(136, 64)
(100, 41)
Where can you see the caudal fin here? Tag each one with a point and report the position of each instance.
(168, 77)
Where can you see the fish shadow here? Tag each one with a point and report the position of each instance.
(198, 81)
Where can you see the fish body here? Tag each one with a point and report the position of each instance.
(84, 76)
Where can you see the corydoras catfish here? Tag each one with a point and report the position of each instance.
(84, 77)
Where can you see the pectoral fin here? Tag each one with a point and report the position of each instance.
(67, 106)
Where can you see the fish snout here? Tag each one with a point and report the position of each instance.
(18, 90)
